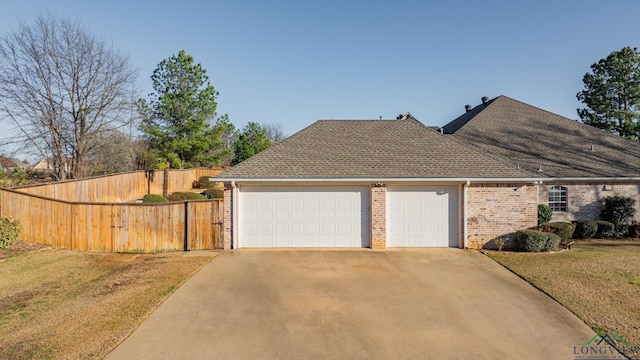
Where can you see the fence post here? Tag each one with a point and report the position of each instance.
(186, 225)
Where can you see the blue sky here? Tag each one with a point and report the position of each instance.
(295, 62)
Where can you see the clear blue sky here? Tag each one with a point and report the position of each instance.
(295, 62)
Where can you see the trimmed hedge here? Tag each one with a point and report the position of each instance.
(605, 229)
(182, 196)
(544, 214)
(213, 193)
(152, 199)
(563, 229)
(553, 241)
(536, 241)
(9, 232)
(584, 229)
(205, 183)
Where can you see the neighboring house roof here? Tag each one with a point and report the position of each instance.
(535, 138)
(7, 163)
(381, 149)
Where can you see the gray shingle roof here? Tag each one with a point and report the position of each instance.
(372, 149)
(534, 137)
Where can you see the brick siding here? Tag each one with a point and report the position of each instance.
(227, 223)
(496, 210)
(584, 201)
(378, 216)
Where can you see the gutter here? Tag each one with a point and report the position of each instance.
(462, 180)
(286, 180)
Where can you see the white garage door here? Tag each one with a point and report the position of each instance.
(422, 216)
(304, 216)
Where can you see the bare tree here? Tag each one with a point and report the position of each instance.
(114, 152)
(60, 88)
(275, 132)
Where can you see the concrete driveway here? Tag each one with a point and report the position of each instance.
(356, 304)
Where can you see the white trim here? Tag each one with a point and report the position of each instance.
(234, 216)
(375, 180)
(465, 231)
(475, 180)
(634, 178)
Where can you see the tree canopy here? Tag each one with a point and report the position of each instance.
(250, 141)
(62, 88)
(611, 94)
(179, 118)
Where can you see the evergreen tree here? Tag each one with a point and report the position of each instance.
(250, 141)
(612, 94)
(178, 117)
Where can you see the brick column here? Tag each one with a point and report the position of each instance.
(227, 221)
(378, 216)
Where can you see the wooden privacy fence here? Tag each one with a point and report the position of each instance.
(115, 227)
(89, 214)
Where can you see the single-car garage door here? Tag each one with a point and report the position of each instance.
(422, 216)
(304, 216)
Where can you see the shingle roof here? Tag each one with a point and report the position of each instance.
(371, 149)
(536, 138)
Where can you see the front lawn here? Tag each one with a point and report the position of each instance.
(598, 280)
(61, 304)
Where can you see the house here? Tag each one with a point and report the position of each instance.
(398, 183)
(7, 164)
(577, 165)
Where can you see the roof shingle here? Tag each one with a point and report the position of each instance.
(342, 149)
(535, 138)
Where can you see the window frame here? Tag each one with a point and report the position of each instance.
(557, 198)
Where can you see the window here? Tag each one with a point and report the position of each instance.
(558, 198)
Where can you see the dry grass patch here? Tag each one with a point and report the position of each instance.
(60, 304)
(598, 280)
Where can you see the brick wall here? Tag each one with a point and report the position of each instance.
(584, 201)
(378, 216)
(495, 210)
(227, 222)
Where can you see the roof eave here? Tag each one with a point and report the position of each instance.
(457, 180)
(380, 179)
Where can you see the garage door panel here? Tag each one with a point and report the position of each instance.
(422, 216)
(313, 216)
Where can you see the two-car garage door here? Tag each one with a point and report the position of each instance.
(304, 216)
(339, 216)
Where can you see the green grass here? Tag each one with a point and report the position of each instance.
(598, 280)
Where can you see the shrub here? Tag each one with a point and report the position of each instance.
(500, 241)
(531, 240)
(205, 183)
(152, 199)
(195, 196)
(618, 210)
(605, 229)
(182, 196)
(544, 214)
(213, 193)
(584, 229)
(553, 241)
(178, 196)
(634, 231)
(563, 229)
(9, 232)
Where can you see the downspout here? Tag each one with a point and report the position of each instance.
(465, 231)
(234, 216)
